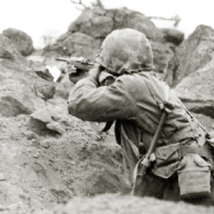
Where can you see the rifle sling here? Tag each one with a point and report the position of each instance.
(107, 126)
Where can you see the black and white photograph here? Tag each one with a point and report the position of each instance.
(106, 107)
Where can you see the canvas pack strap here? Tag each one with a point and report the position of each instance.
(145, 161)
(203, 151)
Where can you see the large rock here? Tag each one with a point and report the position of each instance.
(51, 119)
(8, 51)
(85, 35)
(193, 54)
(15, 100)
(22, 94)
(22, 42)
(194, 72)
(196, 90)
(162, 55)
(99, 23)
(21, 90)
(79, 44)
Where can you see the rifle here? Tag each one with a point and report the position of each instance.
(145, 161)
(78, 63)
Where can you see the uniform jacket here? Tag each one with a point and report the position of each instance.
(134, 101)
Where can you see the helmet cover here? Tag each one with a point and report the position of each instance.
(126, 51)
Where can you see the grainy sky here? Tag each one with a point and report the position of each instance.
(40, 17)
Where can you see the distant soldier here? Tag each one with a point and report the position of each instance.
(181, 164)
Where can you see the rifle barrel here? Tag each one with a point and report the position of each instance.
(62, 59)
(79, 63)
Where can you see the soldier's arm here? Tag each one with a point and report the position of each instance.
(89, 102)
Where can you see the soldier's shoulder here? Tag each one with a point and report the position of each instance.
(131, 80)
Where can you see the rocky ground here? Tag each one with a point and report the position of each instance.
(37, 172)
(51, 162)
(47, 156)
(120, 204)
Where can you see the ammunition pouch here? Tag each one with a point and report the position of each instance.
(168, 157)
(167, 160)
(167, 154)
(194, 177)
(194, 172)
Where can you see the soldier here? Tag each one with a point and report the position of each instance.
(181, 165)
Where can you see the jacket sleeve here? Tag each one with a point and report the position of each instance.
(89, 102)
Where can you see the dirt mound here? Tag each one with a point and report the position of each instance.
(117, 204)
(46, 155)
(40, 171)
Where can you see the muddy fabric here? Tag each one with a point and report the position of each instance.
(135, 101)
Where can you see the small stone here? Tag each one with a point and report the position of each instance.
(45, 144)
(3, 208)
(36, 155)
(35, 142)
(31, 135)
(2, 178)
(56, 127)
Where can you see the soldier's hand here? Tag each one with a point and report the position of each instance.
(95, 72)
(71, 69)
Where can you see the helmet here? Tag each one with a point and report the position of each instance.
(126, 51)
